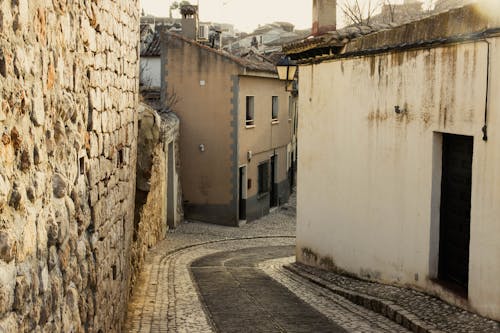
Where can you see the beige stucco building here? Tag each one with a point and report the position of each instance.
(399, 135)
(236, 131)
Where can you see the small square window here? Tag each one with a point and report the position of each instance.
(250, 111)
(275, 107)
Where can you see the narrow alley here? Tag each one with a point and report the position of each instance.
(209, 278)
(249, 166)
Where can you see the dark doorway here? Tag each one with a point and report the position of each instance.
(274, 187)
(242, 183)
(291, 173)
(456, 185)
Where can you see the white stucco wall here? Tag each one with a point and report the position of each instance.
(365, 175)
(151, 71)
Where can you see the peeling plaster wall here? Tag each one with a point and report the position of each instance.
(365, 175)
(69, 94)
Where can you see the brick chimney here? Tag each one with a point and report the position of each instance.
(324, 16)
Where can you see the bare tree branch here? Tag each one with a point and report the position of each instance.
(357, 13)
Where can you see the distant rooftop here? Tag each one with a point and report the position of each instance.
(252, 62)
(453, 25)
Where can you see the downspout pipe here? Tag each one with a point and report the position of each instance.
(486, 106)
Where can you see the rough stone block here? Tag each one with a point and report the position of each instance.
(7, 286)
(59, 186)
(4, 190)
(22, 293)
(8, 246)
(9, 323)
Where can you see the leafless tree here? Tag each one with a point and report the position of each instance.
(172, 99)
(177, 5)
(144, 79)
(358, 12)
(390, 9)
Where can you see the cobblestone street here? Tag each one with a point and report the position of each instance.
(207, 278)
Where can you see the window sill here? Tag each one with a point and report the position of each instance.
(249, 126)
(275, 122)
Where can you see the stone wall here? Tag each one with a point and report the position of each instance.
(158, 135)
(68, 82)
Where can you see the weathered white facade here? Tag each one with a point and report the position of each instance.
(369, 182)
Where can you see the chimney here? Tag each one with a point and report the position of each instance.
(324, 16)
(189, 21)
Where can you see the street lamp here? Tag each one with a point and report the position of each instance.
(286, 71)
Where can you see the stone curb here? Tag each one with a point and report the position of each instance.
(386, 308)
(168, 253)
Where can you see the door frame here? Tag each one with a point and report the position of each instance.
(242, 192)
(436, 236)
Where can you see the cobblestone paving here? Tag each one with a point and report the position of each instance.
(354, 318)
(166, 298)
(242, 298)
(428, 313)
(166, 281)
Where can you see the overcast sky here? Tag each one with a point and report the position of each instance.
(245, 15)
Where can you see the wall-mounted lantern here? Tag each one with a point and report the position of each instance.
(286, 71)
(202, 147)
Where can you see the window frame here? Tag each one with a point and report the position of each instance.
(275, 107)
(250, 111)
(263, 186)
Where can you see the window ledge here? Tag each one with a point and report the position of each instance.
(249, 126)
(275, 122)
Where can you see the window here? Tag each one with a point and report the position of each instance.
(249, 111)
(275, 108)
(264, 178)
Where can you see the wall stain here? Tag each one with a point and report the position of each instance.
(426, 118)
(377, 116)
(372, 66)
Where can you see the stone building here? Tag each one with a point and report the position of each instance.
(236, 131)
(399, 139)
(68, 112)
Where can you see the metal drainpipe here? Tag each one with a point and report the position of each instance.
(486, 107)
